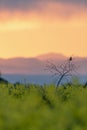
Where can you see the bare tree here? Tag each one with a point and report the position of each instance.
(0, 74)
(63, 70)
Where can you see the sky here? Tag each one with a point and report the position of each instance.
(32, 27)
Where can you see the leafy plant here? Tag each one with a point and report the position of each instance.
(43, 108)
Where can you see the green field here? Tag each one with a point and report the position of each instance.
(33, 107)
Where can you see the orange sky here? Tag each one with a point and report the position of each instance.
(31, 33)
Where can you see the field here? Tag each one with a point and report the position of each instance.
(34, 107)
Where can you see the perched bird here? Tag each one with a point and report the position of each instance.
(70, 59)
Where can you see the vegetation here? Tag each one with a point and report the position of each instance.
(62, 71)
(34, 107)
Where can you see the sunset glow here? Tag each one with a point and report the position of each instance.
(54, 27)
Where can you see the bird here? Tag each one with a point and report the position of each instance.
(70, 59)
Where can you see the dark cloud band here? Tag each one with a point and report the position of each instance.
(33, 4)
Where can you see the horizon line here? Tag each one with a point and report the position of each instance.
(43, 54)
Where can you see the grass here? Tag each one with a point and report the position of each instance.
(43, 108)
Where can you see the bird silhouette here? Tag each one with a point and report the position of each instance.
(70, 59)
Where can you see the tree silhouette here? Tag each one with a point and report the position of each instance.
(63, 70)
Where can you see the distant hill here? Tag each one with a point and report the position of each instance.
(51, 56)
(37, 64)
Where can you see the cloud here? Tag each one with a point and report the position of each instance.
(34, 4)
(42, 8)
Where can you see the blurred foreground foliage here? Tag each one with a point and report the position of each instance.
(34, 107)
